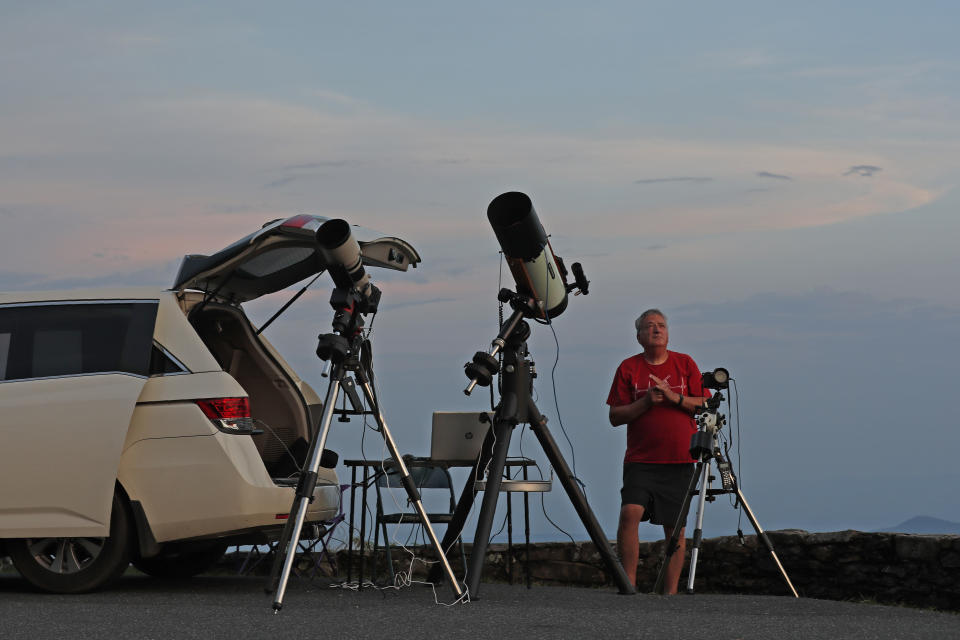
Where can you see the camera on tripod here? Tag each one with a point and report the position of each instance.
(717, 379)
(705, 449)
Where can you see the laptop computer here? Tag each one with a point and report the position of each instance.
(458, 435)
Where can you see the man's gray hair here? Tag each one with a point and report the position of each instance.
(645, 314)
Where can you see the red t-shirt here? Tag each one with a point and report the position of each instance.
(662, 434)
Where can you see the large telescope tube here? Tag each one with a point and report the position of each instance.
(528, 252)
(342, 256)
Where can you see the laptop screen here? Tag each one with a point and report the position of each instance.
(458, 435)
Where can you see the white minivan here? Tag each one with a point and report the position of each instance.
(158, 426)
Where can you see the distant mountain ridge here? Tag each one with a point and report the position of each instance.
(924, 524)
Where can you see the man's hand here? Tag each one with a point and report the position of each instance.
(662, 392)
(656, 395)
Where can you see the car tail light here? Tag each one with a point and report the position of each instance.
(230, 415)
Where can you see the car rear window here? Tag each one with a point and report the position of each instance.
(75, 338)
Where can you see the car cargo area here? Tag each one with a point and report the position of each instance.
(276, 404)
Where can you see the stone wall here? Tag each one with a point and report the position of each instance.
(919, 570)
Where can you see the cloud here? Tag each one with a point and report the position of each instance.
(323, 164)
(110, 254)
(775, 176)
(418, 303)
(866, 170)
(825, 313)
(697, 179)
(96, 186)
(280, 182)
(157, 274)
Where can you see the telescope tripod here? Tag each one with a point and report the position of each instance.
(516, 407)
(345, 354)
(703, 447)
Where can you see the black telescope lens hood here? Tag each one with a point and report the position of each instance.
(516, 225)
(333, 233)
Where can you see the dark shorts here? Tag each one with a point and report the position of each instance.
(658, 488)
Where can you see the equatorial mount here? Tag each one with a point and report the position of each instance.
(348, 352)
(517, 407)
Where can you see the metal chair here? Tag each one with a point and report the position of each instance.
(425, 475)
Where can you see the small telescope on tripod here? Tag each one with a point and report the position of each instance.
(704, 449)
(349, 353)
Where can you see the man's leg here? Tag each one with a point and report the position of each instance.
(675, 567)
(628, 539)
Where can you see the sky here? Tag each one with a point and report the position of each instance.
(779, 179)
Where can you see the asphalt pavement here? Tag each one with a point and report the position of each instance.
(237, 607)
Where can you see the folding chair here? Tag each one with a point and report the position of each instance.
(426, 476)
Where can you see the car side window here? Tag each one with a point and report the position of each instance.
(74, 338)
(163, 363)
(4, 350)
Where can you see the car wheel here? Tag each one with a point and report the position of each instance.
(178, 561)
(75, 565)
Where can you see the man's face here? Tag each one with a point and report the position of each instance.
(653, 332)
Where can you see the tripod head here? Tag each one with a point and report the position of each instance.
(349, 306)
(709, 421)
(514, 331)
(484, 364)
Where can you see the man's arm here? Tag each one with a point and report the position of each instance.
(691, 404)
(669, 397)
(627, 413)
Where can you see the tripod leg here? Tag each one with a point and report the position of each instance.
(465, 503)
(412, 493)
(539, 426)
(766, 541)
(287, 549)
(698, 532)
(502, 429)
(671, 546)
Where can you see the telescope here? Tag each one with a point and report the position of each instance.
(341, 254)
(349, 354)
(538, 272)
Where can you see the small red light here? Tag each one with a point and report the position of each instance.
(298, 222)
(225, 408)
(282, 516)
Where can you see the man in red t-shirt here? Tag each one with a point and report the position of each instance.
(655, 393)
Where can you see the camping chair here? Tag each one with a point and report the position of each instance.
(426, 475)
(314, 544)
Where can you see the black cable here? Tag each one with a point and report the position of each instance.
(499, 327)
(500, 530)
(556, 404)
(296, 463)
(543, 508)
(736, 391)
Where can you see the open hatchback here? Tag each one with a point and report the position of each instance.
(159, 426)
